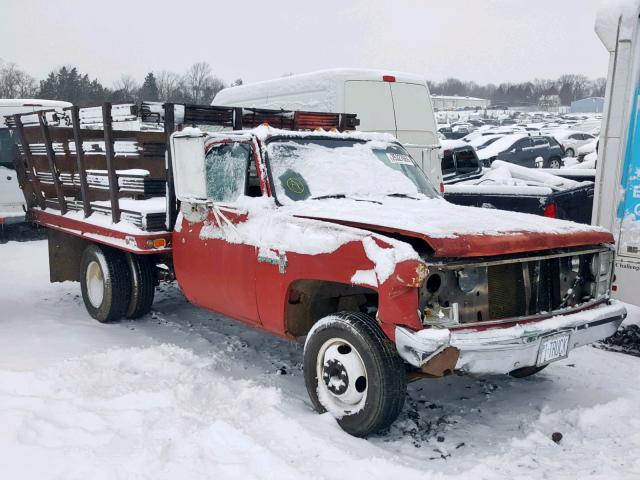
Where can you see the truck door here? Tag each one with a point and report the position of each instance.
(215, 269)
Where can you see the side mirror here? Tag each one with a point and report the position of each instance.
(189, 172)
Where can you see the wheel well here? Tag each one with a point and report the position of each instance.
(310, 300)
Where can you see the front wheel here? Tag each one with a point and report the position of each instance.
(570, 152)
(353, 371)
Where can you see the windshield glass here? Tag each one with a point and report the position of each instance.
(312, 168)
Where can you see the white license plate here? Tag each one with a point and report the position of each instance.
(552, 348)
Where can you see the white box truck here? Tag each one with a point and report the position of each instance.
(396, 103)
(617, 190)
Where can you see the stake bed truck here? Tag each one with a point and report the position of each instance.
(304, 228)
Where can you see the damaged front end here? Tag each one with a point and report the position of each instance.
(497, 315)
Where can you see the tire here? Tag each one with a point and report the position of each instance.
(142, 271)
(570, 152)
(105, 283)
(525, 372)
(555, 162)
(349, 345)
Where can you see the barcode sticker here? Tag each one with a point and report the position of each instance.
(400, 158)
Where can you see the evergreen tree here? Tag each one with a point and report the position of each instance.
(149, 89)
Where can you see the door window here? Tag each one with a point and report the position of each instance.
(540, 142)
(226, 168)
(521, 144)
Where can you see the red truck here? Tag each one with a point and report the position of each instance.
(311, 229)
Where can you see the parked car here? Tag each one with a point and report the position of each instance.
(484, 141)
(587, 149)
(524, 150)
(571, 141)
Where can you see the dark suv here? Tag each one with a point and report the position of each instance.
(526, 150)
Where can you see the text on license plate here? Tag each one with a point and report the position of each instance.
(553, 348)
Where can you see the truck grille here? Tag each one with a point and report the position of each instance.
(510, 288)
(528, 288)
(506, 291)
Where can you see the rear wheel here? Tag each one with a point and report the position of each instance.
(555, 162)
(526, 371)
(353, 371)
(105, 283)
(142, 270)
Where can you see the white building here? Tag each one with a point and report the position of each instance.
(454, 102)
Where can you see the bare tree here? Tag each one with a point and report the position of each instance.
(598, 87)
(15, 83)
(127, 87)
(196, 81)
(168, 86)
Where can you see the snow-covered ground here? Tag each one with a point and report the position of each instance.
(185, 394)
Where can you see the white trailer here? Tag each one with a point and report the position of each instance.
(396, 103)
(617, 191)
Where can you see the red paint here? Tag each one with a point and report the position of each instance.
(551, 210)
(100, 234)
(388, 78)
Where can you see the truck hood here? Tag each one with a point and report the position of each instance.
(453, 230)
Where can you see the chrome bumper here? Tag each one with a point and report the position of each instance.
(501, 350)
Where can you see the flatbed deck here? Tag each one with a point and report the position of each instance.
(98, 228)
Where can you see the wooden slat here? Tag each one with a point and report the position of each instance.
(111, 168)
(82, 171)
(27, 155)
(51, 157)
(169, 128)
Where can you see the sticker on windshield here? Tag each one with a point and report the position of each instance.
(295, 187)
(399, 158)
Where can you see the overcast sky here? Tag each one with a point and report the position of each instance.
(480, 40)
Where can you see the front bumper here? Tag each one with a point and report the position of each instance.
(502, 350)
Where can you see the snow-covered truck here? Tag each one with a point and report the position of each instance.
(617, 193)
(304, 228)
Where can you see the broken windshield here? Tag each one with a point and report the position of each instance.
(320, 168)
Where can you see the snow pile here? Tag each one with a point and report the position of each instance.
(508, 179)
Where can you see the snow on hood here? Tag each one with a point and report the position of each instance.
(439, 222)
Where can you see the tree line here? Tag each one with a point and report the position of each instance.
(199, 85)
(567, 87)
